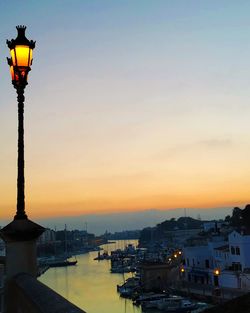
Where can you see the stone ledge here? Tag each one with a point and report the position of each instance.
(34, 297)
(240, 305)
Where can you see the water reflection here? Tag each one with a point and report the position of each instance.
(90, 285)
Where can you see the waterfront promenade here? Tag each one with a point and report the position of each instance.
(207, 292)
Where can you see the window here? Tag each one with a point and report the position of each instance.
(232, 250)
(207, 263)
(187, 261)
(236, 267)
(237, 250)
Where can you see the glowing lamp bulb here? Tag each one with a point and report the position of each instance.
(21, 56)
(217, 272)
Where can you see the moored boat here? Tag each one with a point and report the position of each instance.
(120, 269)
(126, 292)
(176, 305)
(147, 299)
(104, 256)
(62, 263)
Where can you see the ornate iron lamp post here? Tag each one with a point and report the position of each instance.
(21, 234)
(20, 64)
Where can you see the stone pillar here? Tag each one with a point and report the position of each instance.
(20, 239)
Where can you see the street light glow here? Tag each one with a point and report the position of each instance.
(21, 56)
(217, 272)
(21, 52)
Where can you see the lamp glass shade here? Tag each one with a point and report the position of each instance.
(12, 73)
(15, 76)
(21, 56)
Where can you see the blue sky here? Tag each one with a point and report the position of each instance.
(130, 105)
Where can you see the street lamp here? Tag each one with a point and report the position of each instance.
(216, 272)
(20, 64)
(21, 234)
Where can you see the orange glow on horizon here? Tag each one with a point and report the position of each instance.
(53, 209)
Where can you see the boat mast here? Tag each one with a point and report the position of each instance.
(66, 244)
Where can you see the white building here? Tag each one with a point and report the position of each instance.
(212, 226)
(47, 236)
(200, 261)
(220, 263)
(237, 273)
(239, 245)
(221, 257)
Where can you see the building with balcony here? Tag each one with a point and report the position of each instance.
(220, 263)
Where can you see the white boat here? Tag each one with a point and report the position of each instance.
(149, 300)
(125, 292)
(175, 304)
(120, 269)
(153, 301)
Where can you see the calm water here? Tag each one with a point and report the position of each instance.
(90, 285)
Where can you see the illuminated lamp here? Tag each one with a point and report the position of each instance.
(217, 272)
(21, 52)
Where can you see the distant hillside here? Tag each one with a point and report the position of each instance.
(159, 231)
(118, 221)
(180, 223)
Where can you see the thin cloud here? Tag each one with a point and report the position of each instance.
(216, 143)
(181, 149)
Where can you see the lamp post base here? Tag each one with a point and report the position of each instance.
(20, 238)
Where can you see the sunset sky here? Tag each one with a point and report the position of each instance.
(131, 105)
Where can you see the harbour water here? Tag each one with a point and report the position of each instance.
(90, 285)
